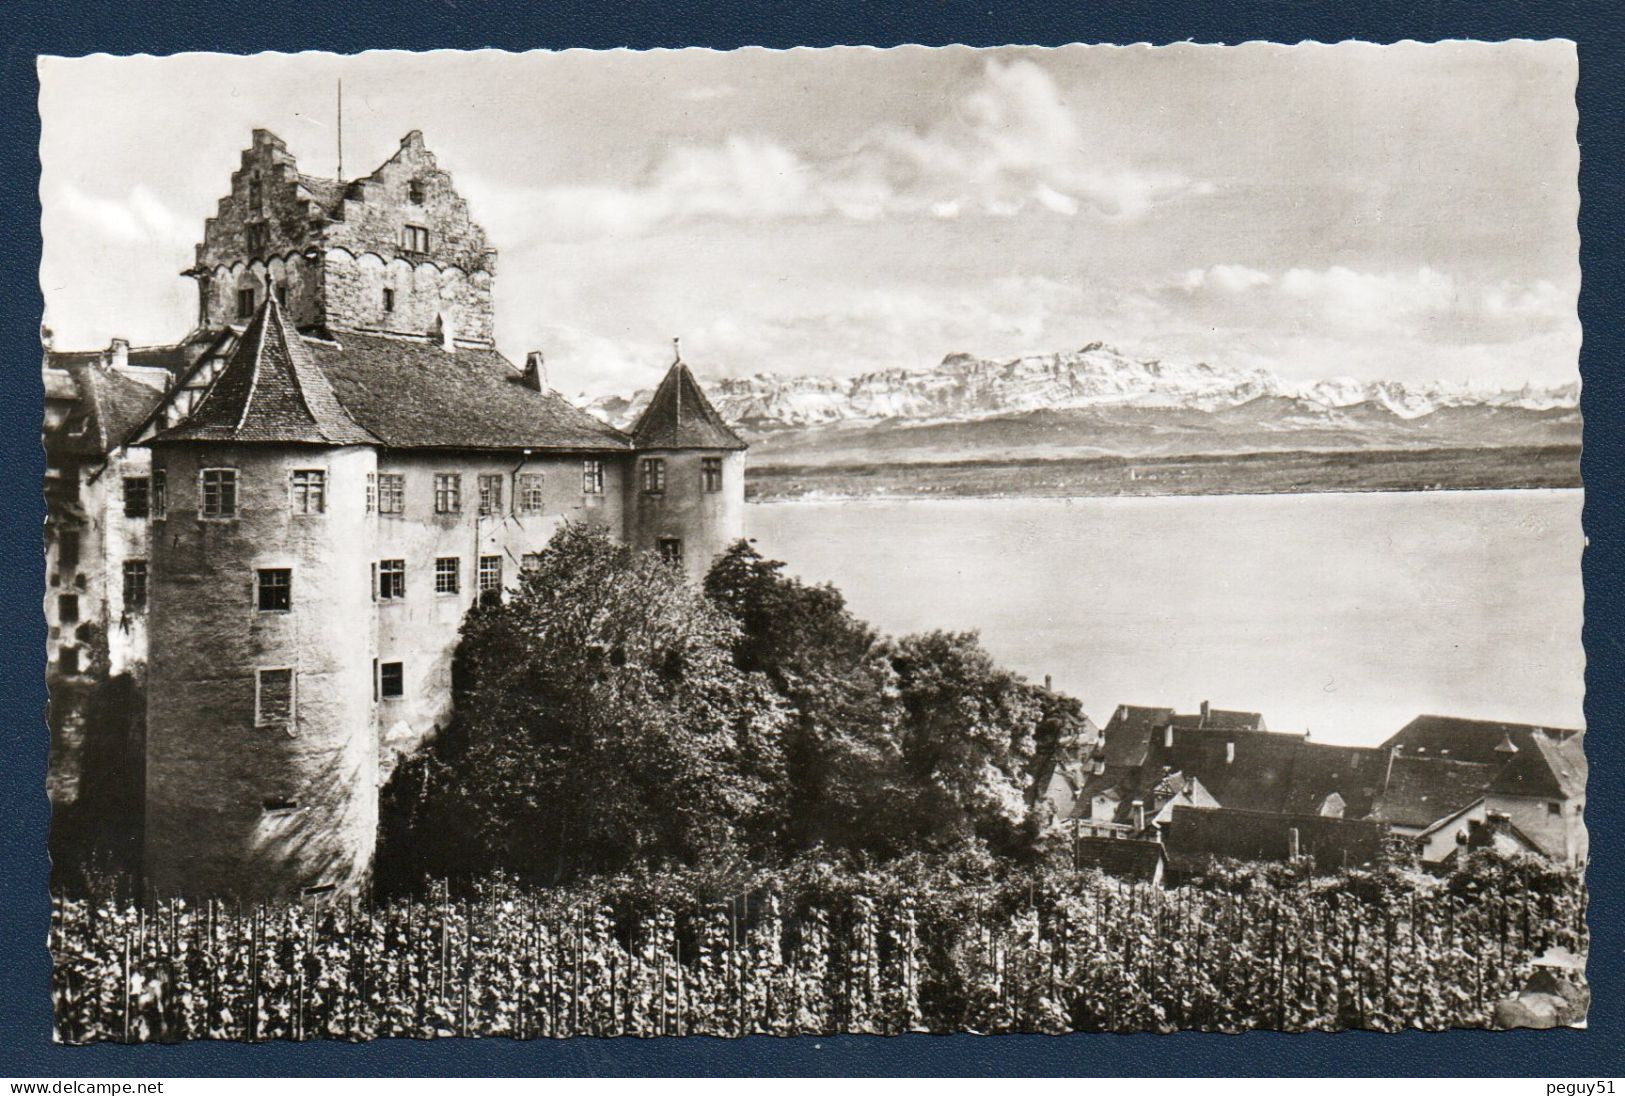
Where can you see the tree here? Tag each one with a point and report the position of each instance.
(843, 754)
(601, 723)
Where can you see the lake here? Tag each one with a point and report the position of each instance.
(1346, 614)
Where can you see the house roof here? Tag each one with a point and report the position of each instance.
(1355, 773)
(400, 392)
(1547, 770)
(1127, 857)
(1127, 736)
(1421, 790)
(680, 417)
(109, 407)
(1219, 719)
(1196, 834)
(1469, 739)
(271, 391)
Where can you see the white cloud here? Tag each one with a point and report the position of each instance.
(139, 217)
(1011, 145)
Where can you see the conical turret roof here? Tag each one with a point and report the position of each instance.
(271, 391)
(680, 417)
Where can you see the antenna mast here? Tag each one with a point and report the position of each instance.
(341, 129)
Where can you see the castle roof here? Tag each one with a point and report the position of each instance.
(1549, 770)
(680, 417)
(109, 406)
(1469, 739)
(271, 391)
(361, 389)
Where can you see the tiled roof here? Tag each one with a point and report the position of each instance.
(271, 391)
(1421, 790)
(1355, 773)
(1195, 835)
(1468, 739)
(412, 394)
(1548, 770)
(360, 389)
(1128, 733)
(1218, 719)
(109, 407)
(327, 193)
(1126, 857)
(680, 417)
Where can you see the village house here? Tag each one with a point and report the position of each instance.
(1219, 784)
(294, 507)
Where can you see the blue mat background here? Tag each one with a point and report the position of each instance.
(170, 26)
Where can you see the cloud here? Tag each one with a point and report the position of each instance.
(1012, 145)
(1424, 303)
(139, 217)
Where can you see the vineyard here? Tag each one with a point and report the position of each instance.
(1091, 955)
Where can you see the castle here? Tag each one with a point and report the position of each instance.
(292, 509)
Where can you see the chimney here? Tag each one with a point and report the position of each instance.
(1139, 815)
(1230, 752)
(1099, 766)
(1049, 683)
(1292, 845)
(1206, 711)
(1168, 737)
(118, 353)
(535, 375)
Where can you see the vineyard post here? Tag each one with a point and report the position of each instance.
(126, 986)
(254, 975)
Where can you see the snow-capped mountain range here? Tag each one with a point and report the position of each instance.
(964, 387)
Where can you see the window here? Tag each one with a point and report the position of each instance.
(160, 494)
(532, 496)
(414, 238)
(670, 549)
(67, 608)
(389, 300)
(1554, 808)
(282, 295)
(279, 804)
(391, 493)
(135, 584)
(245, 303)
(372, 491)
(391, 680)
(137, 493)
(67, 660)
(414, 191)
(275, 589)
(258, 235)
(654, 475)
(448, 492)
(592, 477)
(273, 698)
(448, 575)
(219, 493)
(490, 494)
(67, 549)
(391, 579)
(490, 573)
(309, 487)
(256, 193)
(711, 473)
(530, 561)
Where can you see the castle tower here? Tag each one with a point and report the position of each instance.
(686, 495)
(261, 764)
(394, 251)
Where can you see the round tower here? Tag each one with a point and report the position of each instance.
(261, 760)
(687, 487)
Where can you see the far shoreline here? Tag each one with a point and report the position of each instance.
(1298, 472)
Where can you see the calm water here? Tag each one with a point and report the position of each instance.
(1345, 614)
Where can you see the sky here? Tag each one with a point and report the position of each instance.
(1380, 212)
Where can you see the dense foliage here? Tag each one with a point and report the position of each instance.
(929, 944)
(610, 716)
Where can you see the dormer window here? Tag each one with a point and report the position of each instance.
(414, 239)
(414, 192)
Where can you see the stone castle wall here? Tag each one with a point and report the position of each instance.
(234, 807)
(706, 522)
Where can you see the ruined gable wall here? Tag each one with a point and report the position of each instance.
(366, 253)
(292, 221)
